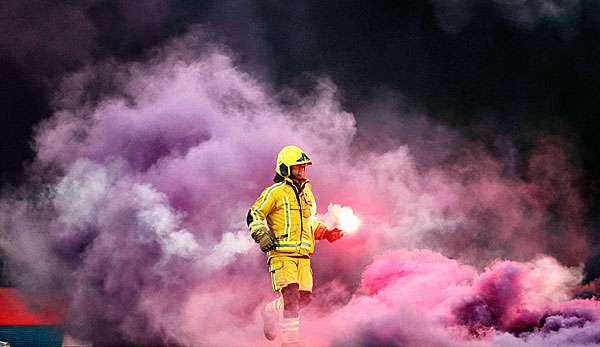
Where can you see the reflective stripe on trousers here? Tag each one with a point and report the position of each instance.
(290, 330)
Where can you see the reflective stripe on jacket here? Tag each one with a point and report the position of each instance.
(290, 215)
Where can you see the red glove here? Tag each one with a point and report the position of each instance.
(333, 234)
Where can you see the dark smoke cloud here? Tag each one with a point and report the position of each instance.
(42, 40)
(132, 214)
(477, 76)
(564, 14)
(49, 38)
(42, 35)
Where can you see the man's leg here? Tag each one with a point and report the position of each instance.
(290, 324)
(296, 296)
(306, 281)
(283, 312)
(291, 300)
(272, 313)
(305, 298)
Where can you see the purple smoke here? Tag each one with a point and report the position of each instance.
(135, 216)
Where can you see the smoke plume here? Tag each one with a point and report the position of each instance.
(134, 216)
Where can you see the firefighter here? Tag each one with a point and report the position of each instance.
(288, 239)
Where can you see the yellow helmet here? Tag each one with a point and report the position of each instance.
(288, 156)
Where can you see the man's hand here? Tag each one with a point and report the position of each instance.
(333, 234)
(267, 243)
(264, 239)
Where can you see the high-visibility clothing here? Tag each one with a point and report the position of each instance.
(285, 270)
(290, 331)
(290, 215)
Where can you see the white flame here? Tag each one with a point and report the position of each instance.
(341, 217)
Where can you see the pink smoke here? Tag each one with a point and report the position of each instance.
(135, 215)
(421, 298)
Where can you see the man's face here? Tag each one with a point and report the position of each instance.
(299, 172)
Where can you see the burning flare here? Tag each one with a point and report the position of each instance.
(342, 217)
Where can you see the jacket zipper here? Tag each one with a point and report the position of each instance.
(301, 217)
(300, 210)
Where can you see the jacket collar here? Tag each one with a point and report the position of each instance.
(298, 188)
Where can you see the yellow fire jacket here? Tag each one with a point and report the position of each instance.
(290, 214)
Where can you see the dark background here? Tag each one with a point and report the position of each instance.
(487, 69)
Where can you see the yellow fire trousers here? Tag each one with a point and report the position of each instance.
(285, 270)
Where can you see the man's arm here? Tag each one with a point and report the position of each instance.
(255, 220)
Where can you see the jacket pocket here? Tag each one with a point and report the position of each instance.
(293, 203)
(275, 264)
